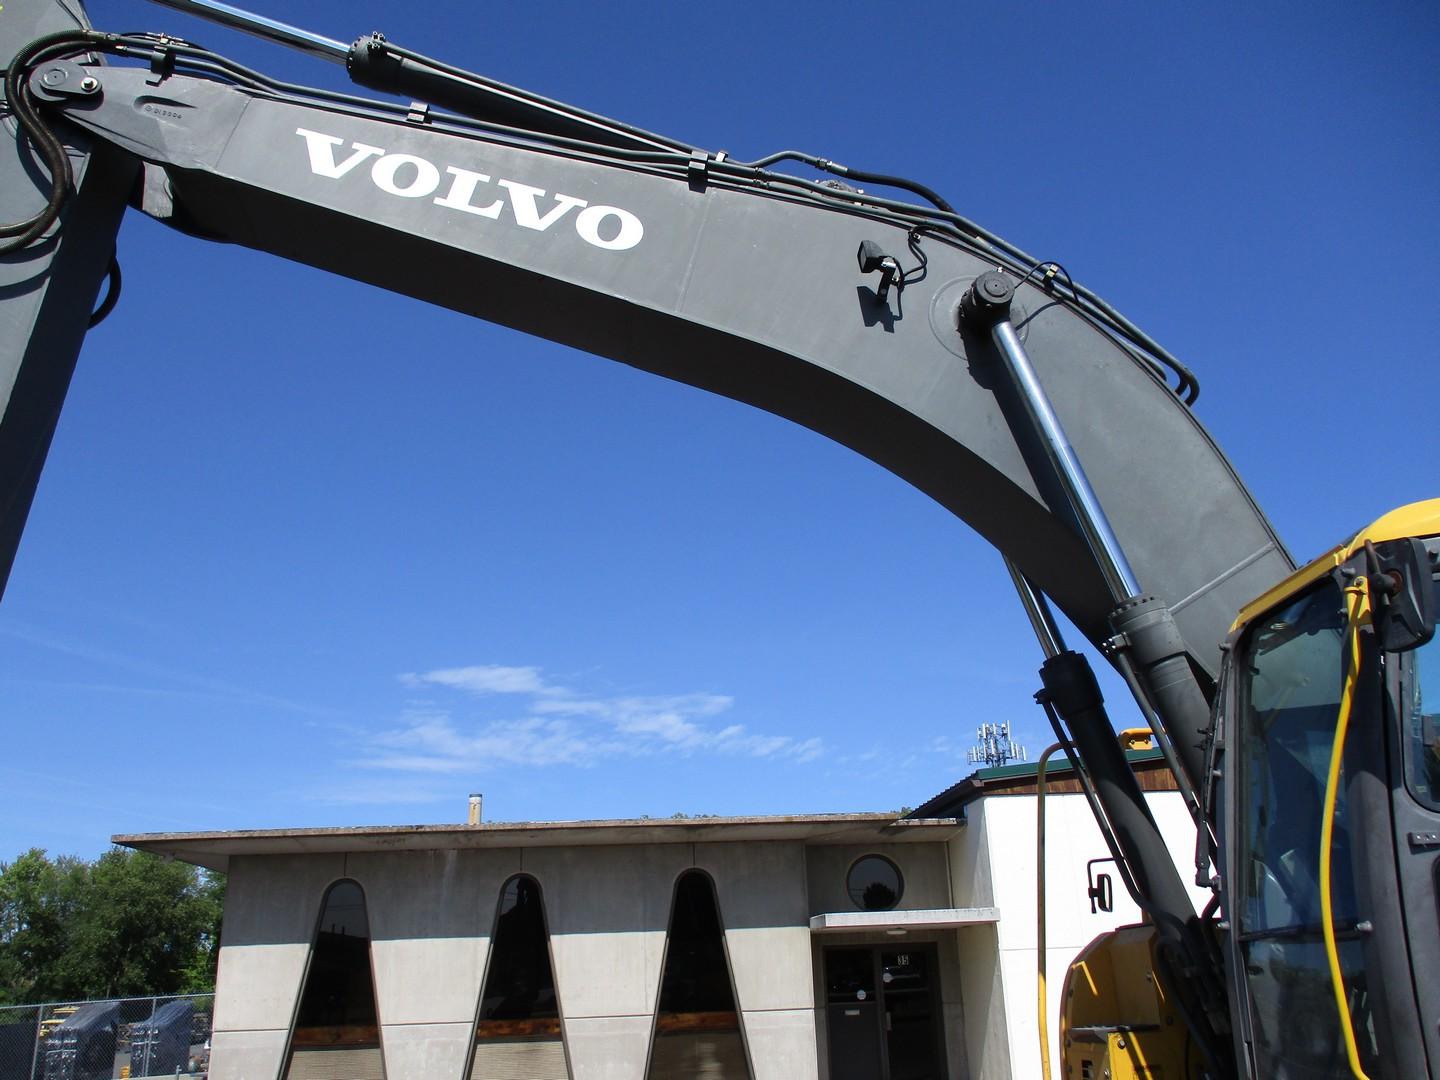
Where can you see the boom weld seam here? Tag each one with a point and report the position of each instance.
(1245, 563)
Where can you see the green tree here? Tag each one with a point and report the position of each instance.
(38, 904)
(198, 974)
(129, 924)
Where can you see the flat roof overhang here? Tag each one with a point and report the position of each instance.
(900, 922)
(213, 850)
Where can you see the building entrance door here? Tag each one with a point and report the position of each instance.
(882, 1012)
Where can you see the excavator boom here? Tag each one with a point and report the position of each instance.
(847, 312)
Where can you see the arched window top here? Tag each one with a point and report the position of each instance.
(342, 912)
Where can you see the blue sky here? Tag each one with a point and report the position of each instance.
(305, 553)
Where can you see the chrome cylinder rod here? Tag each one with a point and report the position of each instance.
(260, 26)
(1037, 609)
(989, 301)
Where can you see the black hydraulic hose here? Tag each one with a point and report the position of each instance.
(112, 294)
(899, 182)
(1187, 385)
(20, 234)
(928, 194)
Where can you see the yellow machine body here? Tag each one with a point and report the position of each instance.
(1115, 1020)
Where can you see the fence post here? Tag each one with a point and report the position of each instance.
(35, 1053)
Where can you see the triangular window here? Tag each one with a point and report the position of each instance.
(697, 1027)
(518, 1031)
(337, 1032)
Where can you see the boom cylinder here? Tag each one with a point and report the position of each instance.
(1142, 624)
(262, 26)
(988, 302)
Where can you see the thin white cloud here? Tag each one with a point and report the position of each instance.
(187, 683)
(483, 679)
(560, 727)
(368, 793)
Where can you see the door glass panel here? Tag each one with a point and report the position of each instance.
(849, 975)
(905, 971)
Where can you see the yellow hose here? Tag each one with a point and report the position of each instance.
(1357, 607)
(1042, 1003)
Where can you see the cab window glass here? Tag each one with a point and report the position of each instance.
(1290, 700)
(1422, 723)
(1291, 666)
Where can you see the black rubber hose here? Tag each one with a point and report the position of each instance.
(21, 234)
(112, 295)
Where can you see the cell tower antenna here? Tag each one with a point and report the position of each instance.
(994, 746)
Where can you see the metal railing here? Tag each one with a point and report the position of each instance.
(135, 1038)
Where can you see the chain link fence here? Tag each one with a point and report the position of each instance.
(107, 1040)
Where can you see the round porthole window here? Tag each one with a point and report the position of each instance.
(874, 883)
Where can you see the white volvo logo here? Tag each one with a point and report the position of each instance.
(411, 177)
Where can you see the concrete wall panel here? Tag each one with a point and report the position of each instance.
(258, 986)
(771, 968)
(971, 882)
(246, 1055)
(608, 1047)
(982, 987)
(425, 1051)
(782, 1044)
(432, 894)
(431, 915)
(608, 909)
(429, 980)
(275, 899)
(922, 866)
(952, 1005)
(608, 974)
(757, 885)
(271, 909)
(761, 892)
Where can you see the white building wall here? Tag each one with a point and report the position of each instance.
(1072, 839)
(982, 989)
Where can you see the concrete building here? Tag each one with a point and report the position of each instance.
(822, 947)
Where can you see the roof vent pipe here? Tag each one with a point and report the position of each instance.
(475, 800)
